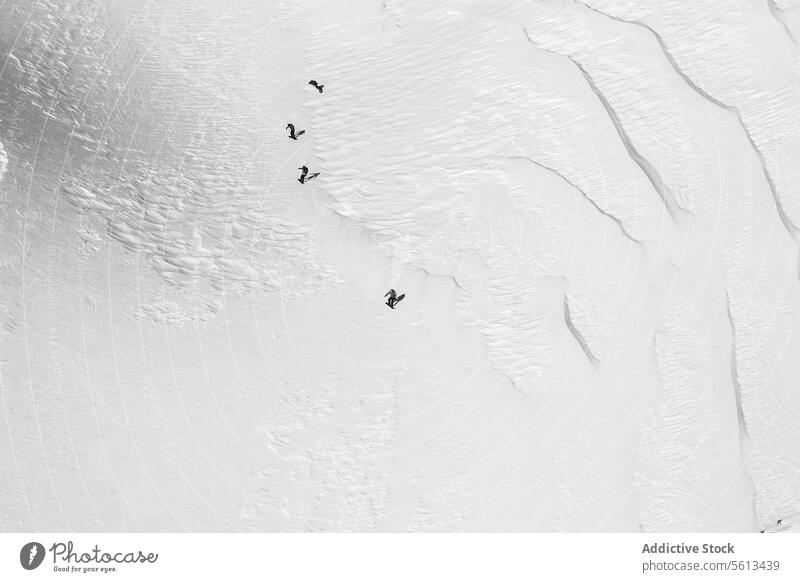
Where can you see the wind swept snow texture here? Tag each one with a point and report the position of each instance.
(591, 207)
(3, 162)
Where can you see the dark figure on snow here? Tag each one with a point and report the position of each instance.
(292, 134)
(394, 299)
(305, 176)
(313, 83)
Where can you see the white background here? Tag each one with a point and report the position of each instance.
(402, 557)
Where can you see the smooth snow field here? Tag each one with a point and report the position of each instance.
(592, 209)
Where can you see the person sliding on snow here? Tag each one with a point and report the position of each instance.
(305, 176)
(292, 134)
(394, 299)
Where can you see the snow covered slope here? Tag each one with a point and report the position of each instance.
(592, 207)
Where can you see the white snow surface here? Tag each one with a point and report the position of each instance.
(592, 207)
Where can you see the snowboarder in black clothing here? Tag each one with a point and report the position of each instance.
(305, 176)
(394, 298)
(292, 134)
